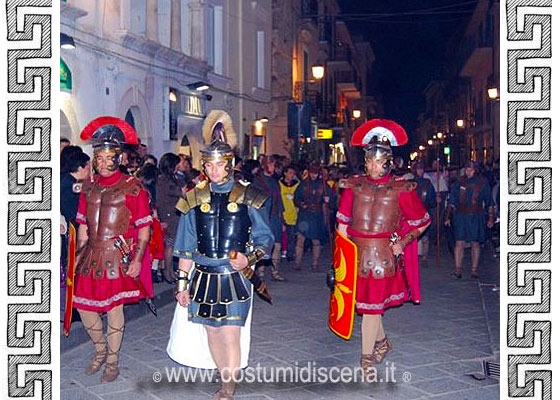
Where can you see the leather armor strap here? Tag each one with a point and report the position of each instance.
(410, 236)
(255, 256)
(140, 249)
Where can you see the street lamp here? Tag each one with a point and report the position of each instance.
(421, 148)
(318, 71)
(200, 86)
(430, 142)
(356, 114)
(460, 123)
(440, 135)
(492, 89)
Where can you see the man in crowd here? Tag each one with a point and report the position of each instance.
(427, 194)
(470, 196)
(288, 186)
(372, 208)
(113, 208)
(311, 198)
(222, 231)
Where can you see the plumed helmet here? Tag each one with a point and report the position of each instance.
(377, 136)
(109, 132)
(220, 139)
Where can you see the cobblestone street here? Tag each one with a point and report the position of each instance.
(438, 345)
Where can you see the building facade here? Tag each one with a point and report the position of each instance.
(146, 60)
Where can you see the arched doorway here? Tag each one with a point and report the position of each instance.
(65, 127)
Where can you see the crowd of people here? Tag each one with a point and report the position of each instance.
(269, 210)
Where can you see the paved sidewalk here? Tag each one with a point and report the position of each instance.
(438, 344)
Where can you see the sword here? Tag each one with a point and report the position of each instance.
(126, 252)
(258, 284)
(394, 238)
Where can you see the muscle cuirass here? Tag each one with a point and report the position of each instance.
(107, 217)
(472, 207)
(313, 195)
(222, 226)
(375, 207)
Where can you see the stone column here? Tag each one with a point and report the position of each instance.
(151, 20)
(176, 25)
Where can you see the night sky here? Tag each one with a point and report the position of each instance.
(409, 46)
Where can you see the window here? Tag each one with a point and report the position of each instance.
(218, 40)
(138, 17)
(210, 36)
(164, 22)
(260, 59)
(214, 38)
(185, 28)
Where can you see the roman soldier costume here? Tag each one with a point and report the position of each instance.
(376, 214)
(470, 206)
(217, 218)
(310, 199)
(427, 194)
(115, 209)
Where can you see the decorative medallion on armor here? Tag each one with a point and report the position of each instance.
(107, 218)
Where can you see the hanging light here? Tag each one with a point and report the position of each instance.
(200, 86)
(172, 95)
(356, 113)
(421, 148)
(439, 135)
(430, 142)
(460, 123)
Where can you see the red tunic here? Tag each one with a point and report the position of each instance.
(374, 296)
(103, 294)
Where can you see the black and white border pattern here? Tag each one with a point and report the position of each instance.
(528, 48)
(28, 197)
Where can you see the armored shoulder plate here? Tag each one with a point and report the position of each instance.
(196, 196)
(132, 186)
(405, 186)
(248, 195)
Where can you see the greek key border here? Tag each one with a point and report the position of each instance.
(29, 198)
(529, 122)
(29, 221)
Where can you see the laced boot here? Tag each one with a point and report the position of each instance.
(111, 371)
(381, 349)
(316, 257)
(100, 355)
(276, 262)
(299, 256)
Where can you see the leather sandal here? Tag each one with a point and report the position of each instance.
(111, 372)
(97, 360)
(277, 277)
(381, 349)
(222, 394)
(457, 274)
(474, 275)
(99, 357)
(366, 364)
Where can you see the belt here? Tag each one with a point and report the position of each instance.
(222, 269)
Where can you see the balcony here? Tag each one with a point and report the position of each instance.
(348, 83)
(475, 57)
(340, 53)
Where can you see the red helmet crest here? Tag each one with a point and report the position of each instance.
(383, 129)
(92, 130)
